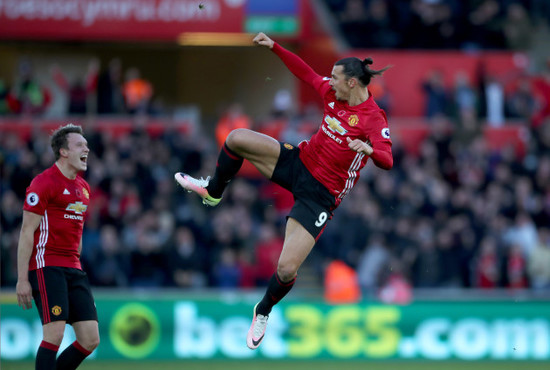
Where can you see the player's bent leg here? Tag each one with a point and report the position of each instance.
(297, 245)
(87, 339)
(261, 150)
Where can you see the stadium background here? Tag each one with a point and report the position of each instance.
(462, 219)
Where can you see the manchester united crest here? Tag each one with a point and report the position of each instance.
(86, 194)
(288, 146)
(353, 120)
(56, 310)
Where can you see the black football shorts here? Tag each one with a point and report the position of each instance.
(62, 294)
(313, 204)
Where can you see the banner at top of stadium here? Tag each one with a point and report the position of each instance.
(137, 20)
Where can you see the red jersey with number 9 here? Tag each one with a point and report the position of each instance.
(62, 203)
(327, 154)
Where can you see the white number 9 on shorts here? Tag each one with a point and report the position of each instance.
(321, 220)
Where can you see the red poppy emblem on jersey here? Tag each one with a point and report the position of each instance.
(342, 113)
(353, 120)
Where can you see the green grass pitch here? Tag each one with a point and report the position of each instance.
(291, 365)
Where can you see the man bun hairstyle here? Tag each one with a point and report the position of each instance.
(59, 140)
(355, 67)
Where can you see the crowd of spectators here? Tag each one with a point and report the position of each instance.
(95, 90)
(456, 214)
(439, 24)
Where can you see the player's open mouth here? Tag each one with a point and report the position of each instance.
(84, 158)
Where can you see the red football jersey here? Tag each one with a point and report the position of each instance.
(62, 203)
(327, 154)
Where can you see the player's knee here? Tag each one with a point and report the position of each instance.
(237, 138)
(54, 335)
(286, 272)
(91, 344)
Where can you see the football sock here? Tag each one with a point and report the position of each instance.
(45, 357)
(276, 290)
(229, 163)
(72, 356)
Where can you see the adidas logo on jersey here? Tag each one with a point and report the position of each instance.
(331, 105)
(66, 192)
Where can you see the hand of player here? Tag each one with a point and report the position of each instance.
(24, 294)
(262, 40)
(360, 146)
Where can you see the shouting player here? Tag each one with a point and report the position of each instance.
(48, 254)
(319, 172)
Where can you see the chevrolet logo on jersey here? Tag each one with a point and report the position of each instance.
(77, 207)
(334, 125)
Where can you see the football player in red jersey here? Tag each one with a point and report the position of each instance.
(48, 254)
(320, 172)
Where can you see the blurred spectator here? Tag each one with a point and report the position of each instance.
(109, 264)
(110, 99)
(232, 119)
(521, 102)
(518, 28)
(395, 289)
(371, 262)
(522, 234)
(80, 90)
(426, 263)
(341, 284)
(30, 95)
(282, 104)
(538, 264)
(186, 260)
(381, 94)
(148, 265)
(485, 24)
(464, 97)
(137, 92)
(516, 267)
(541, 89)
(8, 102)
(380, 31)
(267, 251)
(226, 271)
(353, 21)
(486, 269)
(435, 93)
(433, 24)
(494, 101)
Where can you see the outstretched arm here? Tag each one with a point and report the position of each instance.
(293, 62)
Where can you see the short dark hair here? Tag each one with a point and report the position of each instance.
(355, 67)
(59, 140)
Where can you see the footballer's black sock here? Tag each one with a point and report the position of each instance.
(72, 357)
(229, 163)
(45, 357)
(276, 290)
